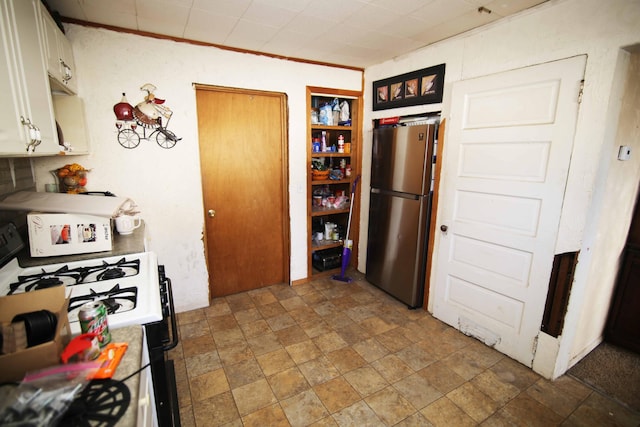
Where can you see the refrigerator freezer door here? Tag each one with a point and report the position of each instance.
(401, 159)
(396, 247)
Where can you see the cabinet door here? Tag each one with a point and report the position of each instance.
(57, 54)
(11, 131)
(28, 78)
(50, 45)
(67, 63)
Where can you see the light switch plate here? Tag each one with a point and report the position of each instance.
(624, 153)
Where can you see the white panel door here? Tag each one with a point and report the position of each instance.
(508, 150)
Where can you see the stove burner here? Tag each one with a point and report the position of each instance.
(115, 299)
(111, 273)
(111, 304)
(46, 280)
(107, 271)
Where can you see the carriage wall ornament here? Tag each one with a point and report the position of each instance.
(146, 116)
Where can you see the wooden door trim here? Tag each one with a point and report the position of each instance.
(356, 169)
(284, 152)
(434, 213)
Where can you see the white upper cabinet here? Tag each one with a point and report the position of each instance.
(27, 124)
(57, 55)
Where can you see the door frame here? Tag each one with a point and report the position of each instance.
(284, 152)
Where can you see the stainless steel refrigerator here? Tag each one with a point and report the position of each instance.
(400, 208)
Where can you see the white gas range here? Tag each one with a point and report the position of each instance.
(128, 286)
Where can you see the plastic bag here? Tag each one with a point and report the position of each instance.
(345, 115)
(326, 115)
(44, 396)
(336, 111)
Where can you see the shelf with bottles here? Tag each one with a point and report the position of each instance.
(330, 198)
(330, 143)
(331, 111)
(328, 232)
(330, 170)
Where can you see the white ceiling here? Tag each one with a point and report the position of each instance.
(355, 33)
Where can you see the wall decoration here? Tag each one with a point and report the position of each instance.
(414, 88)
(146, 115)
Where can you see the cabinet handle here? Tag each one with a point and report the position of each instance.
(211, 213)
(35, 136)
(67, 71)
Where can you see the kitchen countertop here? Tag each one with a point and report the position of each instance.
(122, 245)
(130, 363)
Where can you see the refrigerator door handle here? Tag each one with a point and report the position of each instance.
(396, 194)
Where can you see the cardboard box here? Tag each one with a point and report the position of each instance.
(14, 366)
(52, 234)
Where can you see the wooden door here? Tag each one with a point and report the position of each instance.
(243, 156)
(509, 144)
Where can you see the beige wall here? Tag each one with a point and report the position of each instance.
(166, 183)
(621, 182)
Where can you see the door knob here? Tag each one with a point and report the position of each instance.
(211, 213)
(444, 228)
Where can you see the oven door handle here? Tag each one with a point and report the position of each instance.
(174, 326)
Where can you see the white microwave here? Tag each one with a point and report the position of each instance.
(52, 234)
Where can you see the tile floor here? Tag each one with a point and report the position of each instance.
(328, 353)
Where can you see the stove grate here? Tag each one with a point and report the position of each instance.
(116, 300)
(75, 276)
(45, 279)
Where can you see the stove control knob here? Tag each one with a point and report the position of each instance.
(211, 213)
